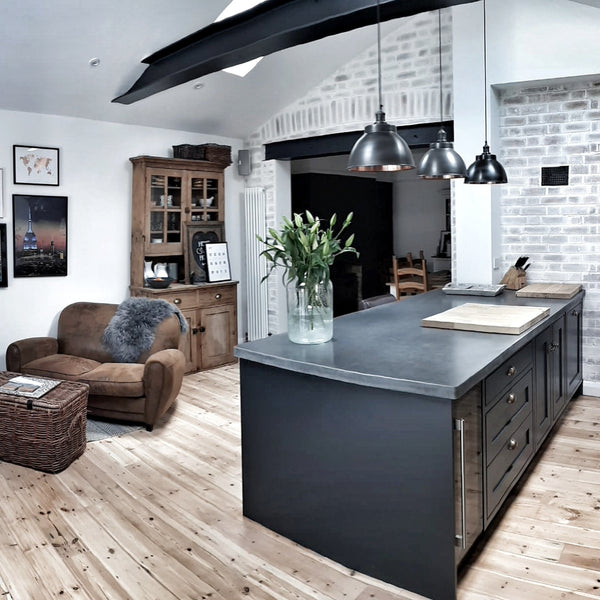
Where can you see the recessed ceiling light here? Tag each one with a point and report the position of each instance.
(94, 62)
(198, 86)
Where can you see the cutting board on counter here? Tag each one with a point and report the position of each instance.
(549, 290)
(488, 318)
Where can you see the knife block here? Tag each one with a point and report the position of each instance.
(514, 279)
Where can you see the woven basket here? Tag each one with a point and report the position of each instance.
(217, 153)
(46, 433)
(189, 151)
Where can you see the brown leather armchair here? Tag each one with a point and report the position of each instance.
(139, 391)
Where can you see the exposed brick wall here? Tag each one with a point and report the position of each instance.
(558, 227)
(348, 99)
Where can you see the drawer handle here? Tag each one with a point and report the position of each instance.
(217, 296)
(553, 347)
(512, 444)
(177, 301)
(511, 372)
(511, 399)
(201, 329)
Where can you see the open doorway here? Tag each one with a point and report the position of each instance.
(395, 213)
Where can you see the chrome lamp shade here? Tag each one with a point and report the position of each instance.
(380, 148)
(441, 161)
(486, 169)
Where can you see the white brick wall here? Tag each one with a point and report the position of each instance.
(348, 99)
(557, 227)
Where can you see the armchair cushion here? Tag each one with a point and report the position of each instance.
(61, 366)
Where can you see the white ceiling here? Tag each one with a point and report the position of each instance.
(46, 47)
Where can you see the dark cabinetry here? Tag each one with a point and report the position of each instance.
(573, 329)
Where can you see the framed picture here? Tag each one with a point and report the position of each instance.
(444, 244)
(197, 236)
(39, 235)
(35, 165)
(217, 262)
(1, 193)
(3, 269)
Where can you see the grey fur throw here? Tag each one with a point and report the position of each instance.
(131, 331)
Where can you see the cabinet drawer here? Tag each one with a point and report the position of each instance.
(509, 408)
(216, 296)
(508, 372)
(184, 300)
(509, 463)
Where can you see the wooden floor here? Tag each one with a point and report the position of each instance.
(158, 516)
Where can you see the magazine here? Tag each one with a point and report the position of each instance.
(30, 387)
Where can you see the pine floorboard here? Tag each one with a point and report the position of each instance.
(158, 515)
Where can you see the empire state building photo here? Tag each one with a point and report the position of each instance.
(40, 238)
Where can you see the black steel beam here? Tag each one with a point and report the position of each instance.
(416, 136)
(268, 27)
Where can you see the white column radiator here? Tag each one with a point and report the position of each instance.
(256, 266)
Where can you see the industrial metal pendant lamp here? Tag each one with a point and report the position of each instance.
(380, 148)
(441, 161)
(486, 169)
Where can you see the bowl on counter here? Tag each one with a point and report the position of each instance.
(159, 283)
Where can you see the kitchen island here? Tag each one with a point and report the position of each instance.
(390, 448)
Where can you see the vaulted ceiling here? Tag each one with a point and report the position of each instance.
(46, 49)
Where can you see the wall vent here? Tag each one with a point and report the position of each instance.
(555, 175)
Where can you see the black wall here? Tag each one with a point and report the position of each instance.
(371, 202)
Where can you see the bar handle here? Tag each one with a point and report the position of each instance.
(461, 539)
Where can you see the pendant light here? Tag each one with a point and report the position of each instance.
(380, 148)
(486, 169)
(441, 161)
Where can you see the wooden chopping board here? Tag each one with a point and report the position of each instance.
(488, 318)
(549, 290)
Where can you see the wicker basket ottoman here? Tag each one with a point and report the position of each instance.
(46, 433)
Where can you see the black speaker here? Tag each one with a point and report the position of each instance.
(243, 162)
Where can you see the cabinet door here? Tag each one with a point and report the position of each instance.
(189, 343)
(558, 366)
(544, 392)
(573, 328)
(218, 329)
(165, 199)
(468, 466)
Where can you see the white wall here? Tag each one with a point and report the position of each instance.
(530, 40)
(95, 175)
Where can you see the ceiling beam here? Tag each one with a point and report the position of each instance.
(416, 136)
(268, 27)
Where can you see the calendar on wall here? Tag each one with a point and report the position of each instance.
(217, 262)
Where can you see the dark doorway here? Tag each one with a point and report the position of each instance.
(371, 202)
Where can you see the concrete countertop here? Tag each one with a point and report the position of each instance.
(386, 346)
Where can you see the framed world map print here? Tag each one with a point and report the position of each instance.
(35, 165)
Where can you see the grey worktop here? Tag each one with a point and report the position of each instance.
(386, 346)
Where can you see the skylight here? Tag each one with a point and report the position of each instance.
(233, 8)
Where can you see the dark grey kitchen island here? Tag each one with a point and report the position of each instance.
(390, 448)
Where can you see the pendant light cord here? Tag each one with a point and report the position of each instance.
(379, 56)
(485, 105)
(440, 56)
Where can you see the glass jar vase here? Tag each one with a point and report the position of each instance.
(310, 312)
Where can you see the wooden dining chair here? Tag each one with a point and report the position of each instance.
(409, 281)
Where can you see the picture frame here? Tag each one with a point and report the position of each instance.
(197, 235)
(3, 257)
(217, 261)
(35, 165)
(1, 193)
(444, 244)
(40, 235)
